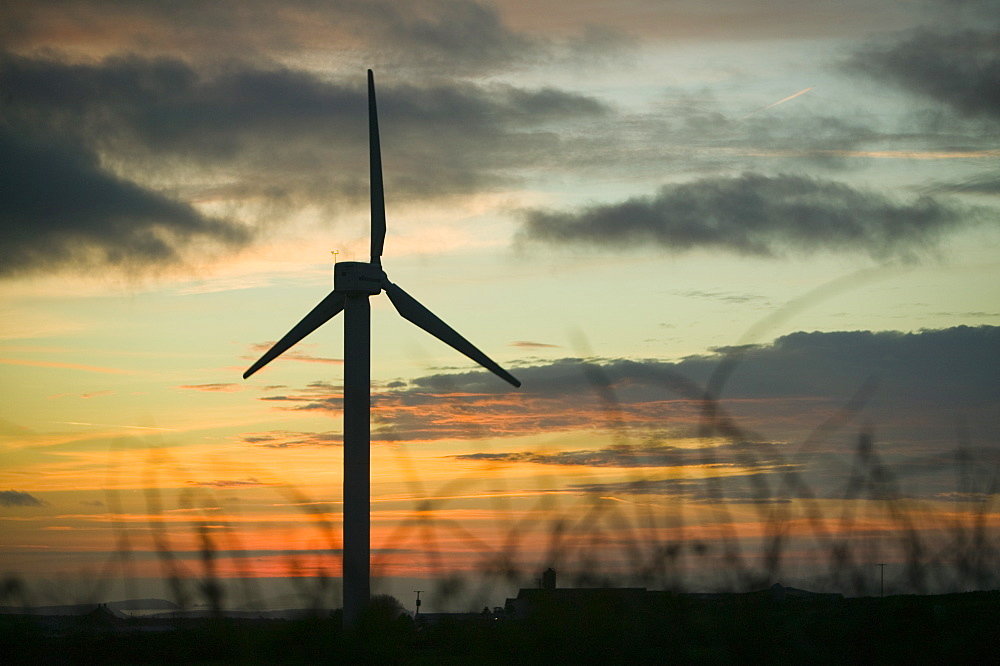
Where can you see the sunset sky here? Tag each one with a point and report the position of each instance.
(743, 256)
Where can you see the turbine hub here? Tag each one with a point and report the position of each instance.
(358, 277)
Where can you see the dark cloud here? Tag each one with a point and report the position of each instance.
(704, 135)
(765, 473)
(158, 115)
(960, 69)
(451, 37)
(811, 416)
(817, 139)
(988, 184)
(754, 215)
(724, 296)
(431, 35)
(62, 209)
(19, 498)
(754, 488)
(977, 314)
(214, 112)
(527, 344)
(229, 483)
(457, 35)
(460, 137)
(860, 471)
(698, 134)
(743, 454)
(213, 388)
(914, 386)
(283, 439)
(234, 133)
(947, 365)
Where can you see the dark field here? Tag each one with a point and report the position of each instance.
(664, 628)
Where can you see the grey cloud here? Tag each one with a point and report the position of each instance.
(765, 473)
(61, 209)
(913, 386)
(281, 137)
(949, 365)
(746, 454)
(754, 488)
(229, 483)
(454, 36)
(551, 103)
(528, 344)
(955, 364)
(170, 102)
(755, 215)
(785, 426)
(705, 127)
(461, 137)
(988, 184)
(704, 135)
(598, 43)
(218, 388)
(860, 472)
(283, 439)
(815, 138)
(19, 498)
(291, 132)
(959, 69)
(434, 35)
(724, 296)
(165, 106)
(457, 35)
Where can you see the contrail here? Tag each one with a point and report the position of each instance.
(780, 101)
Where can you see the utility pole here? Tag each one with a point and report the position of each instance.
(882, 580)
(417, 614)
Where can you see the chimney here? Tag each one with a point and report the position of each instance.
(549, 579)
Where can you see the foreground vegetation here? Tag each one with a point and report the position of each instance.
(953, 628)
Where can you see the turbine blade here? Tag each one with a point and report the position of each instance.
(409, 308)
(322, 313)
(375, 176)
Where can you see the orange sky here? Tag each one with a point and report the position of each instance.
(742, 255)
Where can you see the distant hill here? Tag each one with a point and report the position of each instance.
(143, 604)
(119, 607)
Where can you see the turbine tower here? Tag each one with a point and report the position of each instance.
(354, 283)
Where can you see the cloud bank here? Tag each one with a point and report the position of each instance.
(810, 416)
(754, 214)
(913, 385)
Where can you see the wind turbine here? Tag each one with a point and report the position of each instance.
(353, 283)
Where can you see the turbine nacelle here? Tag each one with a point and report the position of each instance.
(358, 277)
